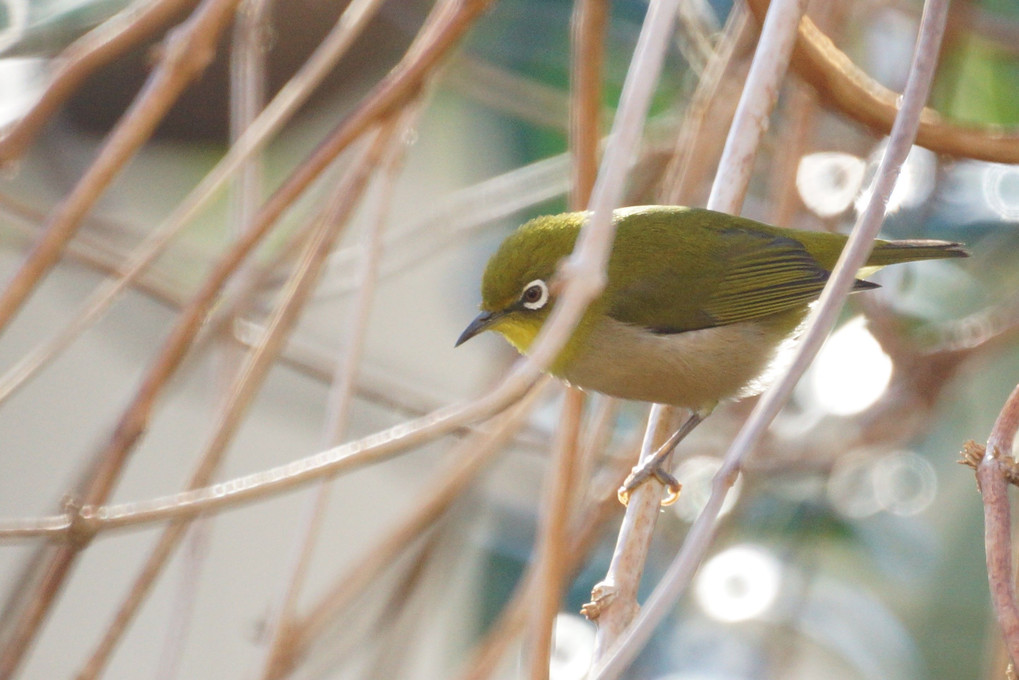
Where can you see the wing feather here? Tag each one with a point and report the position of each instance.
(777, 275)
(754, 275)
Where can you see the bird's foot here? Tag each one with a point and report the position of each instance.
(640, 474)
(654, 465)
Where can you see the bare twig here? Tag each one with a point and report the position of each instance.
(678, 576)
(843, 86)
(91, 250)
(247, 98)
(614, 599)
(601, 505)
(246, 383)
(588, 26)
(799, 126)
(83, 57)
(993, 472)
(255, 137)
(466, 463)
(688, 163)
(188, 50)
(337, 410)
(588, 31)
(550, 570)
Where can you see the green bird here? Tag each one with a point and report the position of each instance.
(696, 306)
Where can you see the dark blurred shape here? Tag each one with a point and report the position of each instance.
(297, 28)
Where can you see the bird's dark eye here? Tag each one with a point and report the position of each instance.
(535, 295)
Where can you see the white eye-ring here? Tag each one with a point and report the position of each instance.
(535, 295)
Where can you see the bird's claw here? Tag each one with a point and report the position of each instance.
(641, 474)
(654, 466)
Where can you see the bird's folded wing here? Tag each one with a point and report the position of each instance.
(758, 275)
(773, 278)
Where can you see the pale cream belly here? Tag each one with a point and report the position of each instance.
(694, 369)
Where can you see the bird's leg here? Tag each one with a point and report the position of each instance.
(655, 465)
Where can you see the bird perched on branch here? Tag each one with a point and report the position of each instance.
(695, 308)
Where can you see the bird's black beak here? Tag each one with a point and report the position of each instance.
(480, 324)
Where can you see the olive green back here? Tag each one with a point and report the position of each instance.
(675, 269)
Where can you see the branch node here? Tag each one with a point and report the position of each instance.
(973, 453)
(83, 525)
(601, 596)
(181, 51)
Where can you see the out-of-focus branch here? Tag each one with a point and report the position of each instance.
(561, 489)
(842, 85)
(248, 78)
(247, 381)
(83, 57)
(467, 462)
(601, 506)
(563, 484)
(709, 113)
(341, 396)
(187, 51)
(588, 27)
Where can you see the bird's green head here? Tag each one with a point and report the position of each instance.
(517, 291)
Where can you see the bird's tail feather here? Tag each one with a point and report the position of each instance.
(892, 252)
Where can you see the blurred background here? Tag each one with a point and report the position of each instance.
(850, 548)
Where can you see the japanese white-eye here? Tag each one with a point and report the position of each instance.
(695, 306)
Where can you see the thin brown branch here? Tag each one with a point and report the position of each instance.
(467, 461)
(551, 559)
(187, 51)
(589, 520)
(87, 54)
(338, 406)
(798, 121)
(246, 385)
(90, 249)
(843, 86)
(255, 137)
(711, 108)
(411, 606)
(248, 79)
(588, 28)
(402, 83)
(614, 599)
(993, 473)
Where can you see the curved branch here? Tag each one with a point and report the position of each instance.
(842, 85)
